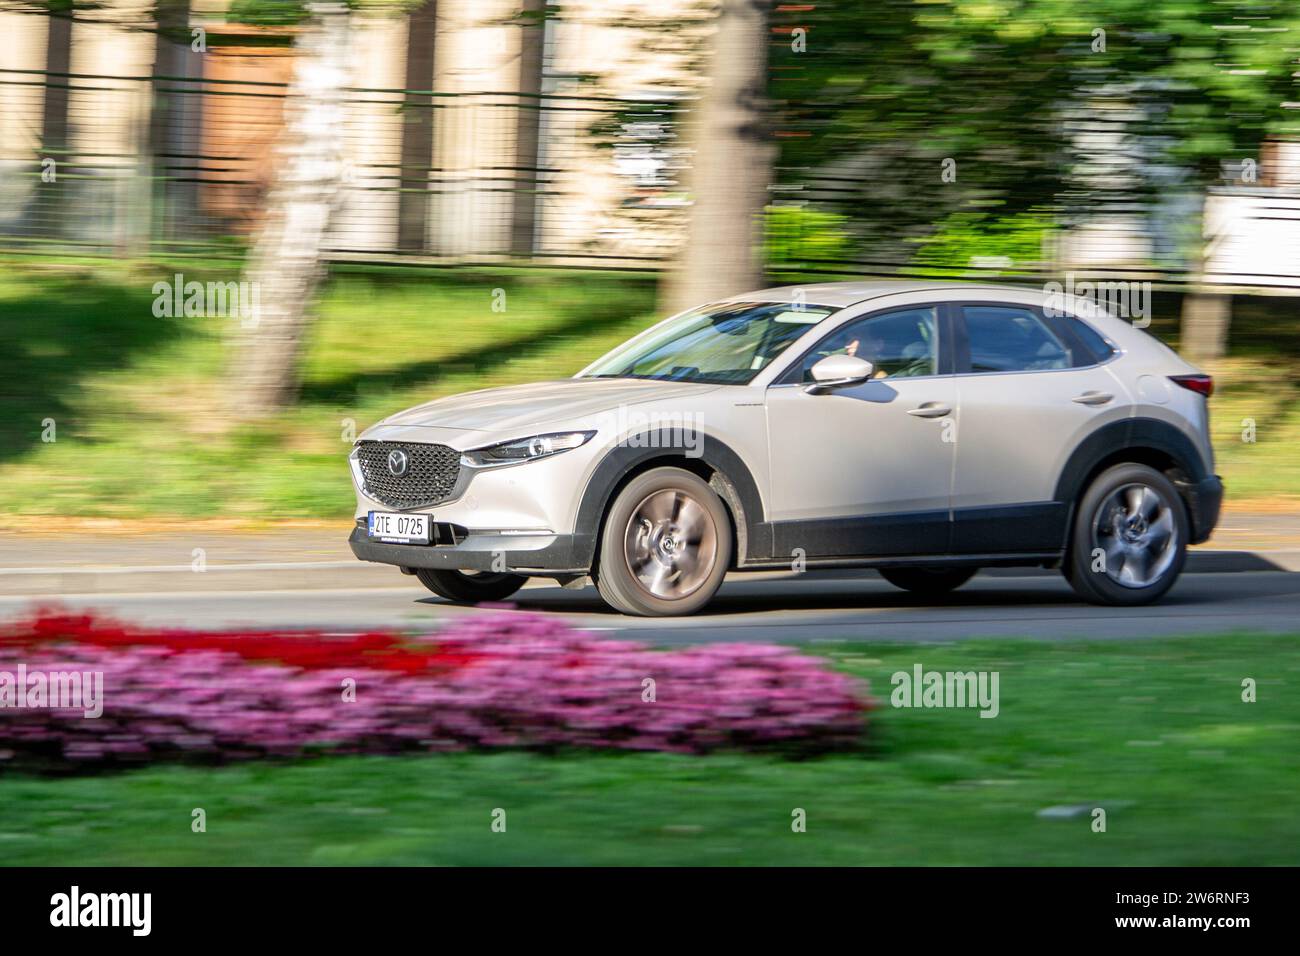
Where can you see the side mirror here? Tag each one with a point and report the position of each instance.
(837, 371)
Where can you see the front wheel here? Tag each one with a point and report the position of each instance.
(470, 587)
(666, 545)
(1130, 537)
(932, 581)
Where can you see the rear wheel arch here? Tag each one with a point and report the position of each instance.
(1140, 441)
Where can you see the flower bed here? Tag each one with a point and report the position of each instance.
(505, 680)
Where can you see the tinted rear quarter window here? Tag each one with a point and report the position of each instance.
(1096, 348)
(1009, 339)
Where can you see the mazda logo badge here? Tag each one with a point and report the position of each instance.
(398, 462)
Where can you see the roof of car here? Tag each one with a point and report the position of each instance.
(852, 292)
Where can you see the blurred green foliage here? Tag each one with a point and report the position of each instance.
(266, 13)
(887, 89)
(800, 234)
(964, 237)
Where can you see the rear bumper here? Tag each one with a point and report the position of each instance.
(1204, 500)
(540, 554)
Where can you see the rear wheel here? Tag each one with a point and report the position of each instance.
(470, 587)
(928, 580)
(1130, 537)
(666, 545)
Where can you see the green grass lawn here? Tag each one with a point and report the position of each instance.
(141, 428)
(1255, 426)
(1155, 731)
(137, 401)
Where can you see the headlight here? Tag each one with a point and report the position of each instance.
(525, 449)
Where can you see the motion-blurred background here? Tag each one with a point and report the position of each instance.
(235, 234)
(428, 197)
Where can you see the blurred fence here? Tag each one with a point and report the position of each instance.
(594, 186)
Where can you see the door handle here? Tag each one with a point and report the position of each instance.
(1093, 398)
(930, 410)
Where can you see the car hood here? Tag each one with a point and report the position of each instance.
(523, 408)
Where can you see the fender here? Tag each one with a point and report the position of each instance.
(1116, 437)
(732, 480)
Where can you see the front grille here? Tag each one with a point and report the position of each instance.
(430, 477)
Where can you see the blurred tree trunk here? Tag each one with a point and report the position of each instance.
(58, 63)
(1203, 335)
(417, 129)
(174, 200)
(284, 267)
(731, 168)
(531, 50)
(1206, 318)
(44, 214)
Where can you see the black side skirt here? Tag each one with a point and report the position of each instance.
(1027, 531)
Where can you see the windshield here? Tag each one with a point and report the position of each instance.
(724, 344)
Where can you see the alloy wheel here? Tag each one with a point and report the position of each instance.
(670, 544)
(1135, 529)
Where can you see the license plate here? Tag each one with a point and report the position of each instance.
(400, 529)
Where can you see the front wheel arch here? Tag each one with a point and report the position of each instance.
(718, 465)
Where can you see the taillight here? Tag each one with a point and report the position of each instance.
(1201, 384)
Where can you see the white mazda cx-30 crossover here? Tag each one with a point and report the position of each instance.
(925, 429)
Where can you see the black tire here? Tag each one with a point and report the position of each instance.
(681, 551)
(1132, 567)
(928, 580)
(470, 587)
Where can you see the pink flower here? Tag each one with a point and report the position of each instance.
(519, 681)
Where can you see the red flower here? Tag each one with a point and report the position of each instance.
(315, 650)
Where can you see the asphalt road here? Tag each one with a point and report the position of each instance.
(803, 608)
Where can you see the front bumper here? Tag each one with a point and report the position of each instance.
(1204, 500)
(539, 554)
(537, 496)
